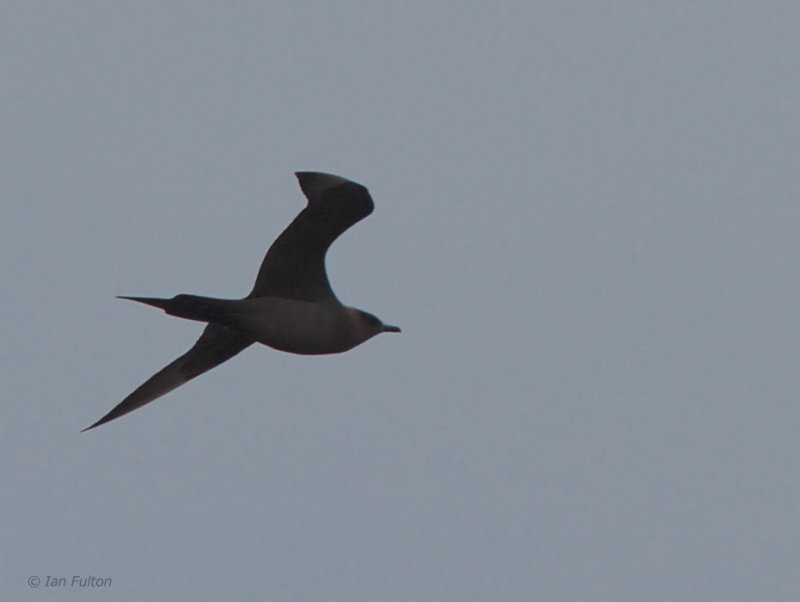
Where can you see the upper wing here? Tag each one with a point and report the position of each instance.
(216, 345)
(294, 267)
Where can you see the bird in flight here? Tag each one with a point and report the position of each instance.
(291, 308)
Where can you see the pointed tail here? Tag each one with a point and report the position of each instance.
(154, 301)
(190, 307)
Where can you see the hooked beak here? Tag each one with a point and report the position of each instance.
(390, 328)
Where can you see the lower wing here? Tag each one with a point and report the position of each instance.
(217, 344)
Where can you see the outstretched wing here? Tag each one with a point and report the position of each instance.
(217, 344)
(294, 267)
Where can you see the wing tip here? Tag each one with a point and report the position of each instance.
(315, 183)
(95, 425)
(320, 179)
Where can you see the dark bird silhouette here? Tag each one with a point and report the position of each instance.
(291, 307)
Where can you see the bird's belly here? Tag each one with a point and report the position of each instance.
(294, 326)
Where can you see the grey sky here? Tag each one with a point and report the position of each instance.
(586, 224)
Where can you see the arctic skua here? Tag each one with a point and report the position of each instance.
(291, 308)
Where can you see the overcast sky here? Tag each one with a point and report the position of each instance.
(586, 224)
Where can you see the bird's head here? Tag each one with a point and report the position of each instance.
(368, 325)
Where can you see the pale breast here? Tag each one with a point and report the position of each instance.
(295, 326)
